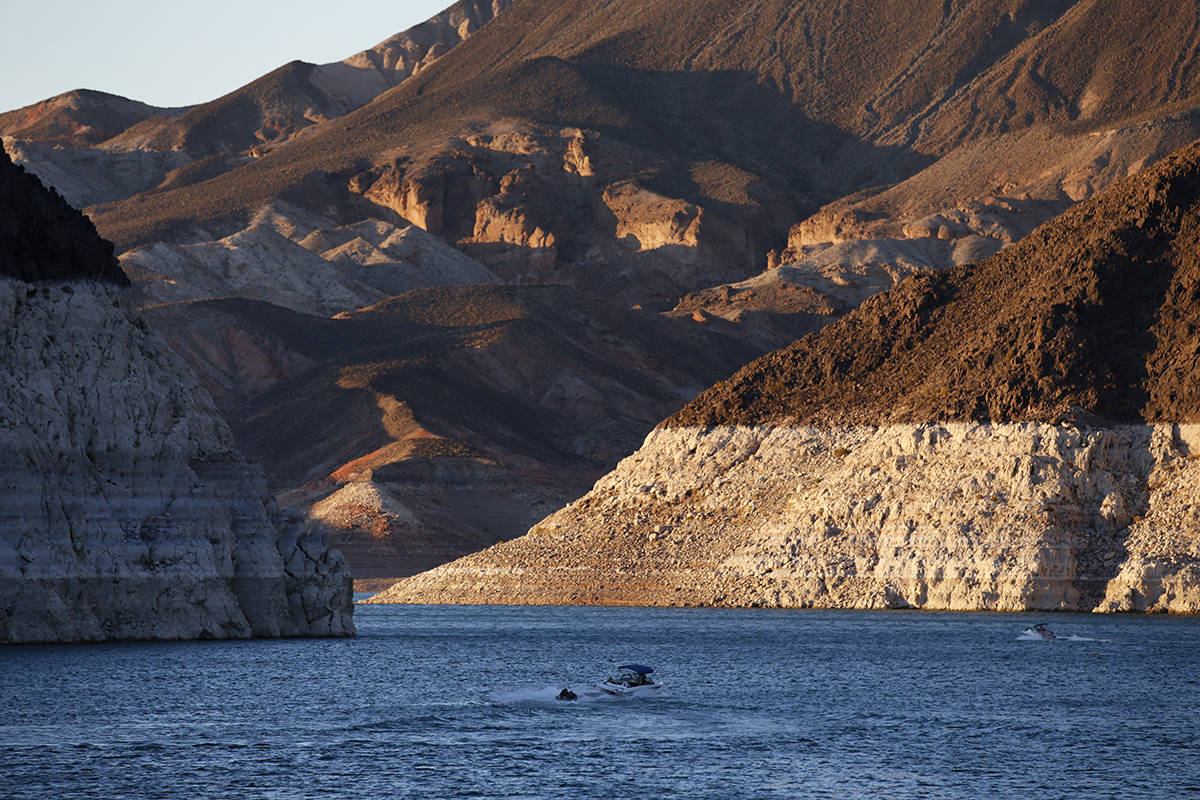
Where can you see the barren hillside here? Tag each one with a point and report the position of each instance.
(1014, 435)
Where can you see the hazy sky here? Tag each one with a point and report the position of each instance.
(180, 52)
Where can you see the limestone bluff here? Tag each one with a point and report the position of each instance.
(125, 510)
(1019, 434)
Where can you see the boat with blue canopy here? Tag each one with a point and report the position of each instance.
(631, 679)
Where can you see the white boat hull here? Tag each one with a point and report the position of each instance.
(1042, 634)
(617, 690)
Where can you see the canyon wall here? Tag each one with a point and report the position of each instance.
(127, 512)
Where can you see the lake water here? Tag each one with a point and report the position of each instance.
(457, 702)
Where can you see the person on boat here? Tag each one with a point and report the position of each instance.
(567, 694)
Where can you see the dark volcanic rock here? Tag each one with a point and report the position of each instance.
(1093, 316)
(44, 238)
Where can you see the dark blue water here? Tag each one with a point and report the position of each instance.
(447, 702)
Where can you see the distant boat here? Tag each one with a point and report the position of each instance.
(1041, 631)
(632, 679)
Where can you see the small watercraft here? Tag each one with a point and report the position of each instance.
(567, 695)
(630, 680)
(1041, 631)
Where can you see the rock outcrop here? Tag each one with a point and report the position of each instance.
(43, 238)
(126, 512)
(1014, 435)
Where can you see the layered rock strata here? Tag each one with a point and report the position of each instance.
(126, 512)
(961, 516)
(1014, 435)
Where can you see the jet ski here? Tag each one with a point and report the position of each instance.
(631, 679)
(1041, 631)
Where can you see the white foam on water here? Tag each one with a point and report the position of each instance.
(542, 694)
(1026, 636)
(549, 695)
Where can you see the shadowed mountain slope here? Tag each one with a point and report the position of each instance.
(441, 420)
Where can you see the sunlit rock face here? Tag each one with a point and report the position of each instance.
(1007, 517)
(125, 510)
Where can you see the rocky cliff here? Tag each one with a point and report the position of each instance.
(1014, 435)
(126, 512)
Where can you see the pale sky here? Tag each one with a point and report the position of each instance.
(181, 52)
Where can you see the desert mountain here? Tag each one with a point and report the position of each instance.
(116, 147)
(605, 146)
(829, 99)
(126, 511)
(1018, 434)
(650, 155)
(82, 118)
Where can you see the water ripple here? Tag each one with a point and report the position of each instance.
(444, 702)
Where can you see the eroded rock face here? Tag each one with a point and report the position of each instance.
(126, 511)
(959, 516)
(570, 205)
(410, 51)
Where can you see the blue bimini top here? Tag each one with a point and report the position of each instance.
(640, 669)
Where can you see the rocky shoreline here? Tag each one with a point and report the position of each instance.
(956, 516)
(1014, 435)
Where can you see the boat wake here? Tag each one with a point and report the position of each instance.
(548, 695)
(1028, 636)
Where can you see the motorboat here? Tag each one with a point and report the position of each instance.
(631, 679)
(1041, 631)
